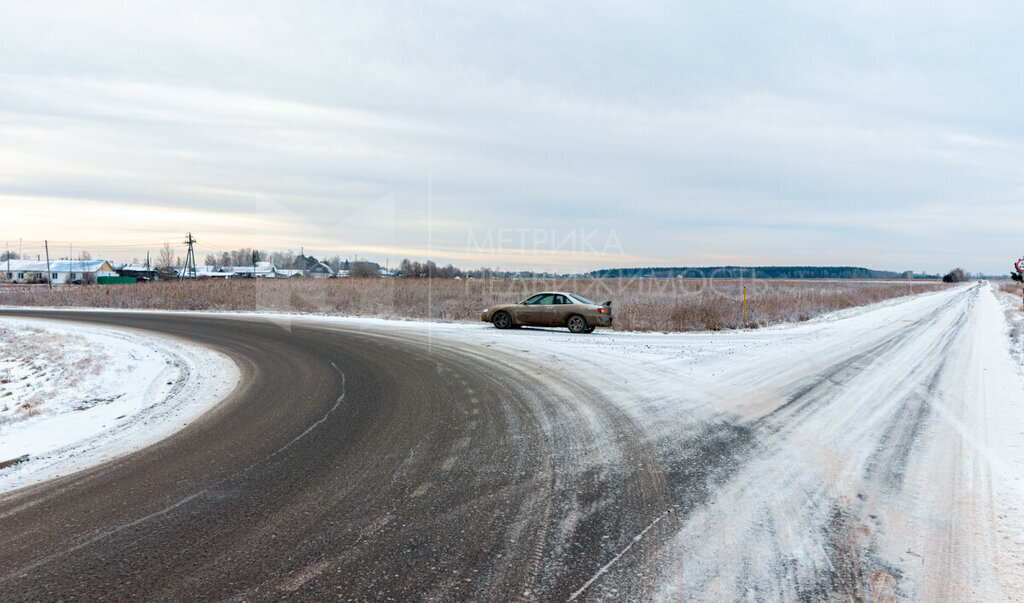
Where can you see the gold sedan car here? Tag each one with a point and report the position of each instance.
(551, 309)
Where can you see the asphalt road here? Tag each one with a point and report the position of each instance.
(353, 464)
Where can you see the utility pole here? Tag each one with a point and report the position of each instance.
(8, 248)
(190, 258)
(48, 280)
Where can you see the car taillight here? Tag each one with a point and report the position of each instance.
(602, 310)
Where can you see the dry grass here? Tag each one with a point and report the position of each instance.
(640, 305)
(35, 364)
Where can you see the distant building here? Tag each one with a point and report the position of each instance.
(58, 272)
(141, 272)
(260, 270)
(210, 272)
(24, 271)
(312, 267)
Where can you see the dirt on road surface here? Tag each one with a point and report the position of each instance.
(856, 460)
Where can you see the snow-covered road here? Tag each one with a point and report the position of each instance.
(884, 458)
(859, 457)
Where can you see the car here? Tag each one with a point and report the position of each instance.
(551, 309)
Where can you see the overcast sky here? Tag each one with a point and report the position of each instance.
(565, 136)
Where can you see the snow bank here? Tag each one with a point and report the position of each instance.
(1006, 438)
(72, 395)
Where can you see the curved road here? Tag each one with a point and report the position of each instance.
(373, 463)
(351, 464)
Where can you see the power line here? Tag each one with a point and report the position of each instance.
(190, 258)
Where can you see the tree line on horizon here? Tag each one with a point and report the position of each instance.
(167, 259)
(761, 272)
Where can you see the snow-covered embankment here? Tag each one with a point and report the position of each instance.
(72, 395)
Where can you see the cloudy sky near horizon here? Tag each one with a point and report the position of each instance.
(520, 135)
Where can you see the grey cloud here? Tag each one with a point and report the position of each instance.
(688, 129)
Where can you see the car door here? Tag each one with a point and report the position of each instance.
(561, 310)
(536, 311)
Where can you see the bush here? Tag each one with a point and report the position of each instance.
(955, 275)
(364, 270)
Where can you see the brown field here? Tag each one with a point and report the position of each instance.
(638, 305)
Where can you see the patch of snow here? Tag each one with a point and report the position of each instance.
(74, 395)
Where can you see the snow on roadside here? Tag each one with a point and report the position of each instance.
(73, 395)
(1006, 439)
(1014, 313)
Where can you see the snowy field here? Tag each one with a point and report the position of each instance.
(1014, 311)
(884, 442)
(72, 396)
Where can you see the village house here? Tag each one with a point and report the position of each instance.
(260, 270)
(58, 272)
(312, 267)
(140, 272)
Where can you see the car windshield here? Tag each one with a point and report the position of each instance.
(581, 300)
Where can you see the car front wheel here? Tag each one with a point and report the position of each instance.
(577, 324)
(501, 320)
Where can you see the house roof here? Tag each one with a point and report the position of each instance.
(211, 270)
(80, 266)
(138, 268)
(250, 270)
(309, 263)
(57, 266)
(23, 266)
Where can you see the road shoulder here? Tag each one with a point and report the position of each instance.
(79, 395)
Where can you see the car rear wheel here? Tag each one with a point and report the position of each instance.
(502, 320)
(577, 324)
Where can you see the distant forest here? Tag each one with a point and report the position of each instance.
(765, 272)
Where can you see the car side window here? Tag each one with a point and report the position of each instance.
(560, 299)
(533, 301)
(547, 300)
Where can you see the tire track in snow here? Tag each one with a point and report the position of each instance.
(831, 454)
